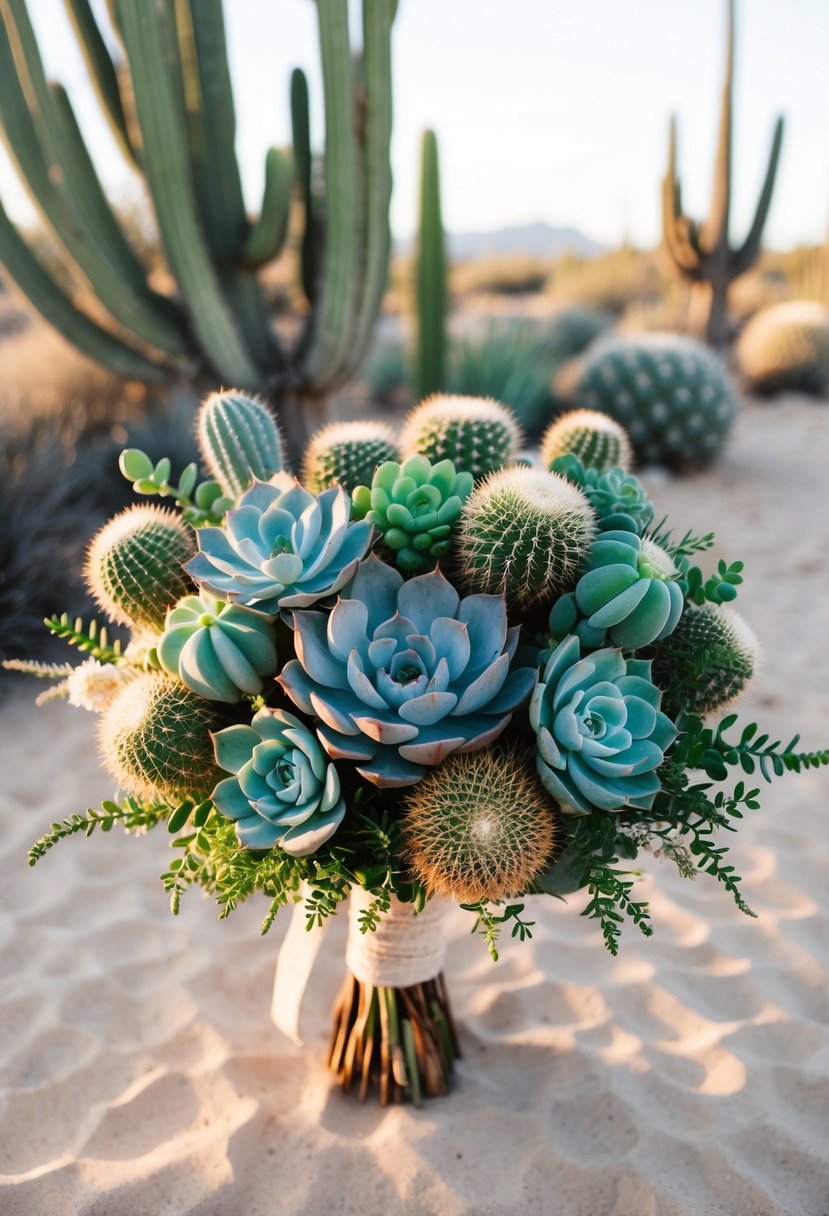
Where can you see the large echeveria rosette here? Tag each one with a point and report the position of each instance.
(284, 790)
(281, 547)
(402, 674)
(601, 733)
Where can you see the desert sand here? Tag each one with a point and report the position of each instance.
(141, 1075)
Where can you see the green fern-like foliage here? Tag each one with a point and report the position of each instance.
(91, 639)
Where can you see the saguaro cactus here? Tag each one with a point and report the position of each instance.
(170, 104)
(703, 252)
(430, 271)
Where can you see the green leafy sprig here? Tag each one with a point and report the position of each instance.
(132, 814)
(92, 638)
(201, 503)
(489, 925)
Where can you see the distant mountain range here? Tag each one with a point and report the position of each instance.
(538, 239)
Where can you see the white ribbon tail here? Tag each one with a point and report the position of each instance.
(293, 970)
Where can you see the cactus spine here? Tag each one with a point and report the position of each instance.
(430, 269)
(716, 638)
(703, 253)
(347, 454)
(239, 441)
(476, 433)
(598, 441)
(172, 112)
(134, 565)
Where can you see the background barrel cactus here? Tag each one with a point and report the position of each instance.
(671, 394)
(219, 651)
(283, 790)
(346, 454)
(281, 547)
(787, 347)
(475, 433)
(239, 441)
(403, 674)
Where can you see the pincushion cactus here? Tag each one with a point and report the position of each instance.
(403, 674)
(786, 346)
(239, 441)
(601, 731)
(707, 662)
(629, 595)
(670, 393)
(524, 533)
(595, 439)
(281, 547)
(618, 498)
(414, 505)
(475, 433)
(219, 651)
(347, 454)
(283, 790)
(154, 739)
(134, 565)
(479, 827)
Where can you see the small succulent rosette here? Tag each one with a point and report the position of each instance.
(461, 678)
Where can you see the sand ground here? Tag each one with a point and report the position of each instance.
(140, 1075)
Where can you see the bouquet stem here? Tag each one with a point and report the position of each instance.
(401, 1039)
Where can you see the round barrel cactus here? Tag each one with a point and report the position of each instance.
(402, 674)
(134, 565)
(284, 791)
(671, 394)
(414, 505)
(476, 433)
(239, 441)
(600, 728)
(595, 439)
(707, 661)
(219, 651)
(786, 346)
(347, 454)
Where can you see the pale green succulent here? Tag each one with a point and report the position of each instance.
(220, 651)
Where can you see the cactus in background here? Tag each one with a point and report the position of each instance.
(707, 662)
(598, 441)
(346, 454)
(475, 433)
(134, 565)
(703, 252)
(430, 271)
(671, 394)
(480, 827)
(154, 739)
(786, 346)
(239, 441)
(171, 108)
(524, 533)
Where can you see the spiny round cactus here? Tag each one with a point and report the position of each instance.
(597, 440)
(524, 533)
(480, 827)
(670, 393)
(239, 441)
(134, 565)
(787, 346)
(154, 739)
(346, 454)
(477, 434)
(415, 505)
(707, 661)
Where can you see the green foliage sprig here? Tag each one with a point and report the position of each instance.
(712, 750)
(132, 814)
(489, 925)
(92, 638)
(719, 588)
(201, 503)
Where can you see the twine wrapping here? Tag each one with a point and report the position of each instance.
(404, 949)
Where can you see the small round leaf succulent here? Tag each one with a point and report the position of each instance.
(475, 433)
(281, 547)
(414, 505)
(346, 454)
(595, 439)
(219, 651)
(600, 729)
(618, 498)
(284, 791)
(629, 595)
(402, 674)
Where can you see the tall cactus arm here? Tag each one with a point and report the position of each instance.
(303, 169)
(715, 229)
(378, 16)
(743, 257)
(267, 236)
(56, 308)
(341, 276)
(102, 72)
(166, 163)
(47, 161)
(679, 234)
(430, 274)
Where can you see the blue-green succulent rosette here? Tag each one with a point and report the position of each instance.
(601, 734)
(219, 651)
(618, 497)
(284, 790)
(402, 674)
(281, 547)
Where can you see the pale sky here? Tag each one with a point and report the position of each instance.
(545, 109)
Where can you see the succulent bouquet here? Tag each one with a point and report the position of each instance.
(431, 672)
